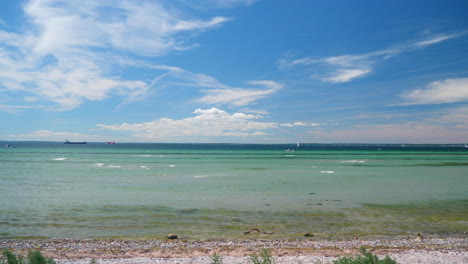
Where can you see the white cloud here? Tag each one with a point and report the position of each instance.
(442, 126)
(143, 27)
(439, 92)
(209, 4)
(456, 117)
(436, 39)
(346, 75)
(269, 84)
(15, 108)
(68, 53)
(207, 123)
(239, 96)
(300, 124)
(48, 135)
(346, 68)
(410, 132)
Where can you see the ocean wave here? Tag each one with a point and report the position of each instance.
(59, 159)
(329, 172)
(353, 161)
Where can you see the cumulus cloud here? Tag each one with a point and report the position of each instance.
(346, 68)
(439, 92)
(68, 52)
(206, 123)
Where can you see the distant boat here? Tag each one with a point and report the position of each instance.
(110, 142)
(7, 146)
(298, 144)
(70, 142)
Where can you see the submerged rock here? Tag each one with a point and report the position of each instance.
(172, 236)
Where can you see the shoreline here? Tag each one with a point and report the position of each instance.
(434, 250)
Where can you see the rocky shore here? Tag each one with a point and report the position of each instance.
(430, 250)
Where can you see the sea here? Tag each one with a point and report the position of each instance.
(219, 191)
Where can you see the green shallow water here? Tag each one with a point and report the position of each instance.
(220, 191)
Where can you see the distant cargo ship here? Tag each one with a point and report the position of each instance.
(70, 142)
(110, 142)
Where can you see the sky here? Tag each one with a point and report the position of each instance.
(234, 71)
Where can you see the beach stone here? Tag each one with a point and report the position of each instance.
(309, 235)
(172, 236)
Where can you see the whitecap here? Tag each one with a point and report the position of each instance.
(327, 172)
(172, 166)
(59, 159)
(99, 164)
(144, 167)
(114, 166)
(353, 161)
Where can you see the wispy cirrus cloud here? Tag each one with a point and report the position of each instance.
(439, 92)
(213, 91)
(346, 68)
(69, 50)
(240, 96)
(209, 4)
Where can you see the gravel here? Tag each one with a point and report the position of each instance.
(72, 251)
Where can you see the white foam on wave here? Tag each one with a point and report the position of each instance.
(99, 164)
(172, 166)
(59, 159)
(329, 172)
(144, 156)
(200, 176)
(114, 166)
(144, 167)
(353, 161)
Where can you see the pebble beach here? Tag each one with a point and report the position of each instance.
(404, 251)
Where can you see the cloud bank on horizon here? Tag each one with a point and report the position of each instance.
(176, 71)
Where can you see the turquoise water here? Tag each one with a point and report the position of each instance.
(50, 189)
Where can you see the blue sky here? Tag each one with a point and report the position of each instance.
(240, 71)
